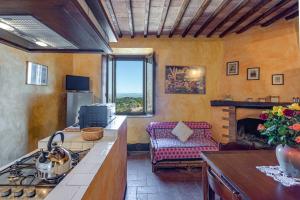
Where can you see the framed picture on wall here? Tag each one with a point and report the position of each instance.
(253, 73)
(36, 74)
(185, 80)
(232, 68)
(278, 79)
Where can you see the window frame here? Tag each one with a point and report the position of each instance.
(142, 58)
(107, 93)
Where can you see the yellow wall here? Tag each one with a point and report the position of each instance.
(89, 65)
(276, 51)
(298, 26)
(273, 49)
(177, 51)
(28, 112)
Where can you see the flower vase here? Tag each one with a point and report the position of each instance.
(289, 160)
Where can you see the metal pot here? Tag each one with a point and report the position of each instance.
(289, 160)
(56, 161)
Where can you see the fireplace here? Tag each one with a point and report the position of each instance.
(237, 121)
(247, 133)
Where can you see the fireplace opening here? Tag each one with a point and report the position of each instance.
(248, 134)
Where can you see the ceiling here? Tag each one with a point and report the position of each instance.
(195, 17)
(90, 25)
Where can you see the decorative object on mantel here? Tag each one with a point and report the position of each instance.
(278, 79)
(185, 80)
(36, 74)
(296, 100)
(282, 128)
(232, 68)
(278, 175)
(228, 98)
(262, 100)
(253, 73)
(274, 99)
(249, 99)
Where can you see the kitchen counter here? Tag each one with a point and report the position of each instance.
(73, 141)
(85, 179)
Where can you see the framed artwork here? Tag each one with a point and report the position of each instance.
(253, 73)
(185, 80)
(36, 74)
(232, 68)
(278, 79)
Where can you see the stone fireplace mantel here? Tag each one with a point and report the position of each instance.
(246, 104)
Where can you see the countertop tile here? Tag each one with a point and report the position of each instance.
(63, 193)
(79, 194)
(81, 179)
(86, 168)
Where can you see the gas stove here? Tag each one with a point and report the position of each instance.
(20, 180)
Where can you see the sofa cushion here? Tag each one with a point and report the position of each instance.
(172, 148)
(163, 129)
(190, 143)
(182, 131)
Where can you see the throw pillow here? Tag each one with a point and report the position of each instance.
(182, 131)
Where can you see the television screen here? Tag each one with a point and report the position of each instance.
(78, 83)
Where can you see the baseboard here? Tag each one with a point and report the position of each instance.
(138, 147)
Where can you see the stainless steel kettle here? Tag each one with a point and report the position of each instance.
(55, 162)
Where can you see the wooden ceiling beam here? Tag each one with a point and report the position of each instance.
(212, 17)
(284, 13)
(196, 17)
(147, 14)
(130, 18)
(163, 17)
(293, 15)
(238, 7)
(100, 14)
(245, 17)
(179, 17)
(262, 16)
(113, 17)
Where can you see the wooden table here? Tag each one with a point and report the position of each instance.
(238, 168)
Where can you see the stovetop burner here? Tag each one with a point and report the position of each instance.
(20, 180)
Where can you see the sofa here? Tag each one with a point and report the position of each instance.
(168, 151)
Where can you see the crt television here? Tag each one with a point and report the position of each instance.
(77, 83)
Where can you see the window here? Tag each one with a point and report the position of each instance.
(130, 84)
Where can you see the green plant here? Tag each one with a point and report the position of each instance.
(125, 105)
(282, 125)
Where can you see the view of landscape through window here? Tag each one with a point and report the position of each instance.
(129, 86)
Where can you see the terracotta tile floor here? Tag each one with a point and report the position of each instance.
(165, 184)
